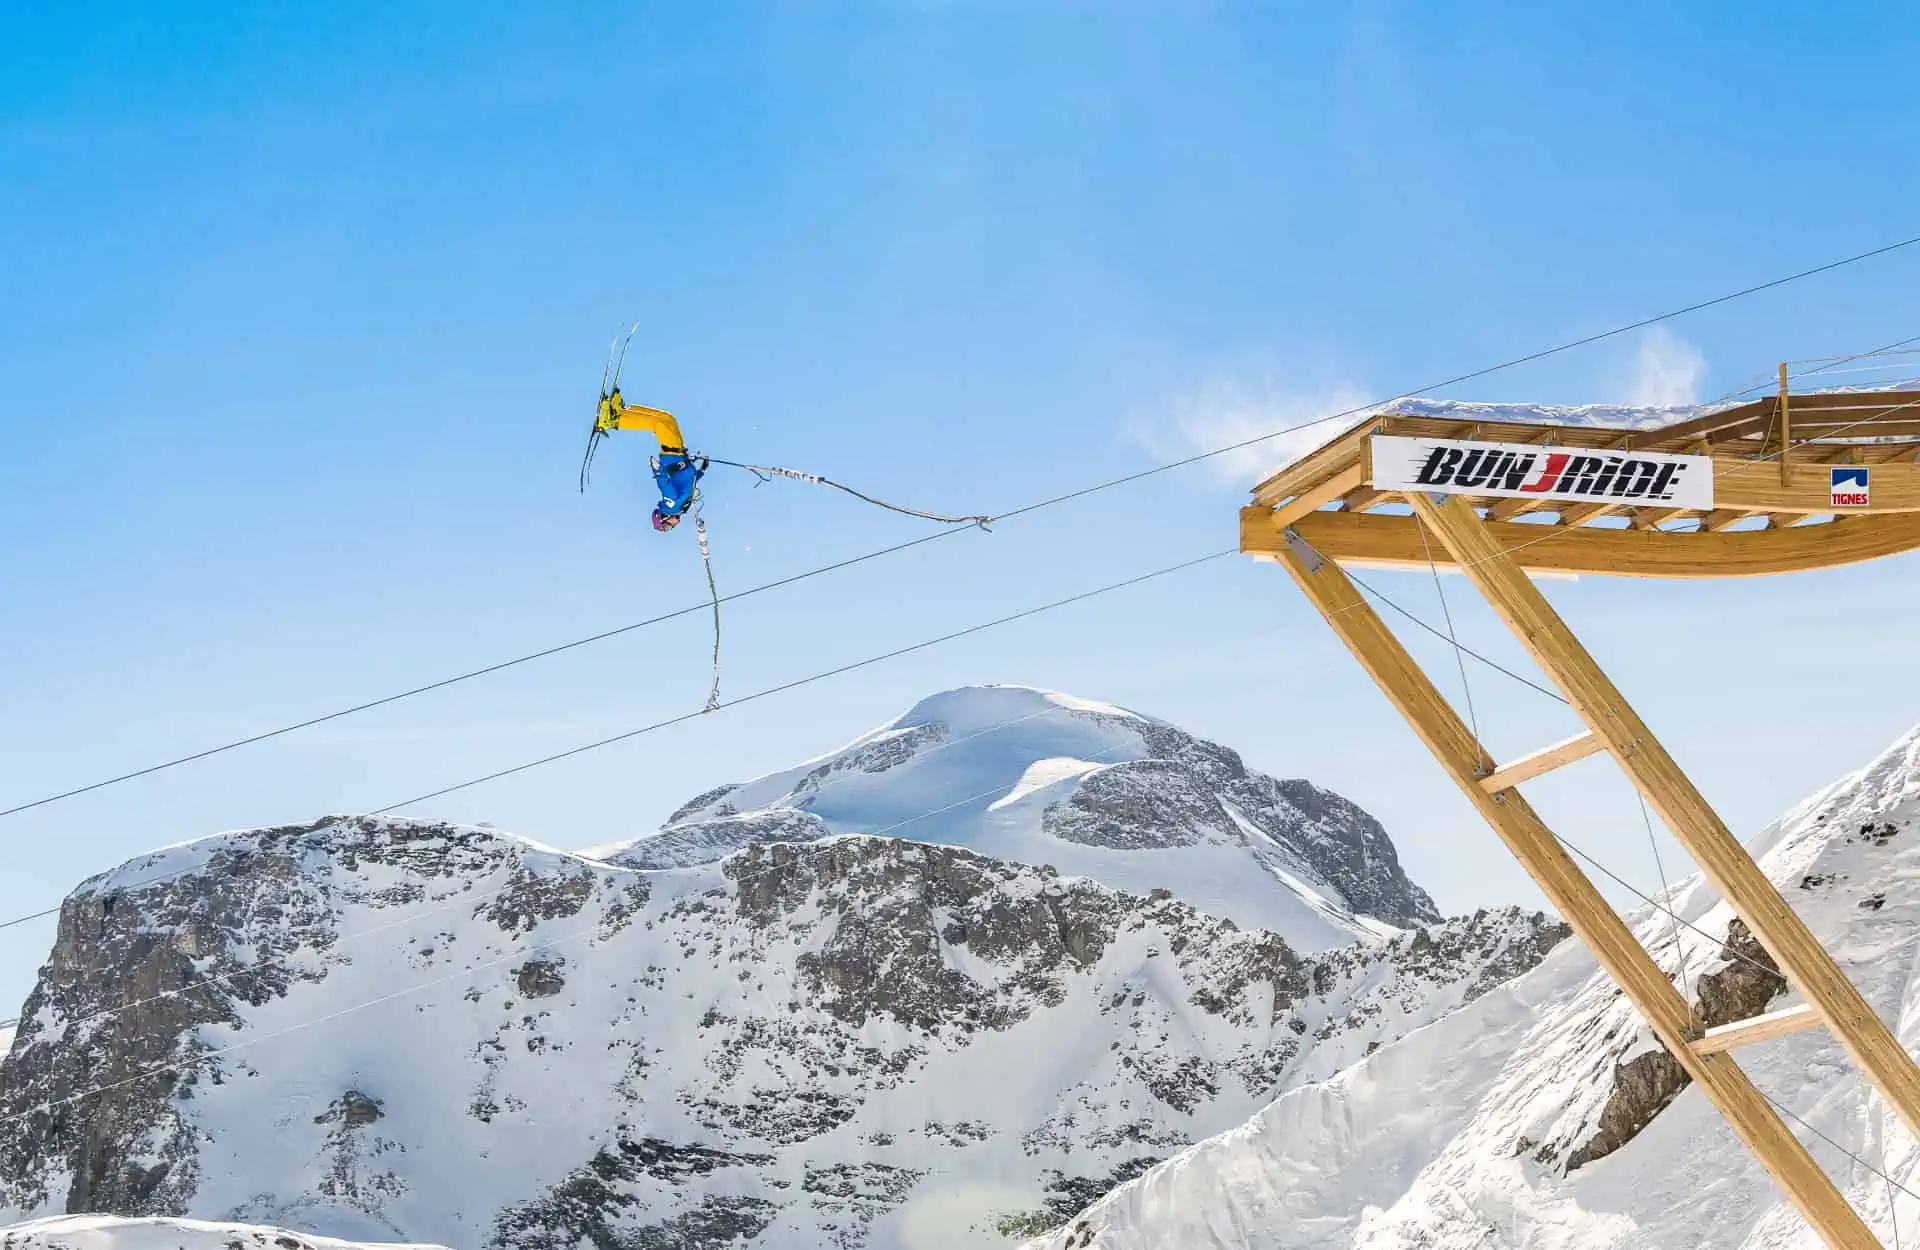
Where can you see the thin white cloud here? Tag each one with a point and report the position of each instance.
(1228, 413)
(1667, 371)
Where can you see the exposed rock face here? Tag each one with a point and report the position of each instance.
(136, 972)
(716, 838)
(532, 1049)
(1643, 1086)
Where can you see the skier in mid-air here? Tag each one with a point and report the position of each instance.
(675, 472)
(678, 472)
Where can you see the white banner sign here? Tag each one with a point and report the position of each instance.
(1524, 471)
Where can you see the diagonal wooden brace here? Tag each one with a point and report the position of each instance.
(1574, 895)
(1805, 963)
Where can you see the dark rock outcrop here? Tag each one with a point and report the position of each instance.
(1646, 1084)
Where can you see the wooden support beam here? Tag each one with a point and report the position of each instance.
(1786, 430)
(1856, 405)
(1541, 762)
(1725, 518)
(1654, 518)
(1752, 1118)
(1382, 541)
(1364, 498)
(1342, 452)
(1799, 955)
(1579, 513)
(1507, 509)
(1758, 1029)
(1320, 495)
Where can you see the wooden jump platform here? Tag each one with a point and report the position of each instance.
(1783, 484)
(1772, 499)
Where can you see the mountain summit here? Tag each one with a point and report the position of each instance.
(1095, 790)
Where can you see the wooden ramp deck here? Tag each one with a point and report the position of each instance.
(1772, 495)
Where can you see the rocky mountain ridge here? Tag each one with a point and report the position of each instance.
(791, 1045)
(769, 1025)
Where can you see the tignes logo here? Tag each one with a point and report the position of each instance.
(1519, 471)
(1849, 486)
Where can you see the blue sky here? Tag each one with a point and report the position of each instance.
(308, 305)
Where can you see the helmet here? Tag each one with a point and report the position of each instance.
(664, 521)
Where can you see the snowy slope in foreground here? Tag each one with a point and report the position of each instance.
(1532, 1119)
(108, 1232)
(1091, 789)
(397, 1030)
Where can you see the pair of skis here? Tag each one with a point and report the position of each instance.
(610, 372)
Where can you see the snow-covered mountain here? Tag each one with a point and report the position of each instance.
(1092, 789)
(390, 1030)
(108, 1232)
(1544, 1116)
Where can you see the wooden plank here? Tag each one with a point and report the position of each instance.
(1365, 497)
(1809, 431)
(1799, 955)
(1654, 518)
(1715, 425)
(1507, 509)
(1755, 484)
(1383, 541)
(1855, 402)
(1316, 466)
(1752, 1118)
(1758, 1029)
(1579, 513)
(1541, 762)
(1319, 495)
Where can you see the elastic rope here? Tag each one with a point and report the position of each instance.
(765, 471)
(713, 591)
